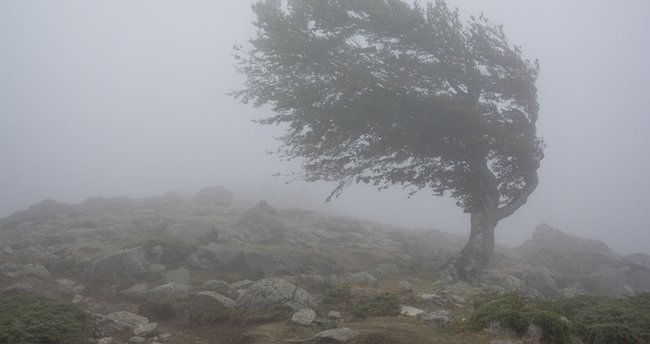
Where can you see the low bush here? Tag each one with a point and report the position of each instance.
(384, 304)
(512, 312)
(28, 319)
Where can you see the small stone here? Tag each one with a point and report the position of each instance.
(405, 286)
(334, 315)
(304, 317)
(146, 330)
(337, 335)
(441, 316)
(534, 331)
(77, 298)
(410, 311)
(136, 339)
(106, 340)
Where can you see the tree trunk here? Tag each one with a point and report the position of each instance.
(478, 249)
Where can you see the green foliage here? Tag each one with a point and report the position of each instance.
(595, 317)
(174, 249)
(512, 312)
(384, 304)
(340, 294)
(385, 93)
(612, 334)
(28, 319)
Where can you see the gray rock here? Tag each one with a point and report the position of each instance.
(77, 298)
(410, 311)
(37, 270)
(107, 340)
(359, 279)
(137, 293)
(269, 298)
(156, 253)
(118, 321)
(217, 255)
(405, 287)
(261, 224)
(334, 315)
(272, 291)
(304, 317)
(495, 328)
(440, 316)
(136, 339)
(179, 276)
(207, 308)
(218, 286)
(126, 262)
(542, 282)
(566, 254)
(639, 259)
(337, 335)
(534, 331)
(215, 196)
(609, 282)
(146, 330)
(167, 301)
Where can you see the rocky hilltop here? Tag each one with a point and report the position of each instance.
(196, 269)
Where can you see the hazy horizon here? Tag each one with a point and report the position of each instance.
(130, 99)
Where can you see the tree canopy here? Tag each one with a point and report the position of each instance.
(388, 93)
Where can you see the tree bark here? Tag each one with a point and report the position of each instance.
(476, 253)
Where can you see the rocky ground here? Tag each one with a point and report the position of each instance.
(179, 269)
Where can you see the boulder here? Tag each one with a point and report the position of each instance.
(260, 224)
(130, 262)
(217, 255)
(542, 282)
(214, 196)
(272, 299)
(567, 254)
(304, 317)
(146, 330)
(178, 276)
(362, 279)
(119, 321)
(641, 259)
(167, 301)
(207, 308)
(136, 293)
(335, 335)
(410, 311)
(440, 316)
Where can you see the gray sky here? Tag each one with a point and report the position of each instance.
(113, 98)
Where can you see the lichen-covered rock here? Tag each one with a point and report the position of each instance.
(207, 308)
(130, 262)
(146, 330)
(271, 299)
(304, 317)
(542, 282)
(118, 321)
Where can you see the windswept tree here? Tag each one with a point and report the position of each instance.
(387, 93)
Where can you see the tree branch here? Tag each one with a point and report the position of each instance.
(519, 200)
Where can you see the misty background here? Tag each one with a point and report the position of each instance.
(128, 98)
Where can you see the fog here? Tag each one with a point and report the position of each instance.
(128, 98)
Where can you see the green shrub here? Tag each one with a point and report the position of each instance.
(512, 312)
(28, 319)
(592, 315)
(384, 304)
(611, 334)
(337, 295)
